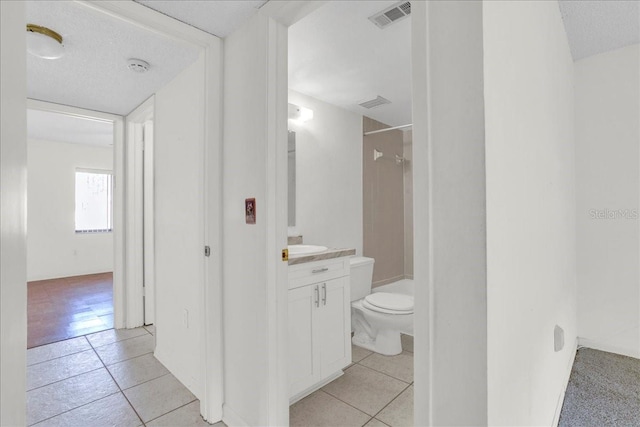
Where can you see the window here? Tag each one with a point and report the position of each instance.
(94, 199)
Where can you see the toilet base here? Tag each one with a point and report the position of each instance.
(386, 342)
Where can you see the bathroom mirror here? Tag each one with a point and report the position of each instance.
(292, 178)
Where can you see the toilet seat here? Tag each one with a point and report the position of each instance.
(389, 303)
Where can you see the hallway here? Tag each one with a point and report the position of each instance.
(107, 378)
(69, 307)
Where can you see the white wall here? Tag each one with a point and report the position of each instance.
(607, 99)
(449, 214)
(13, 215)
(255, 166)
(179, 225)
(530, 210)
(53, 248)
(328, 175)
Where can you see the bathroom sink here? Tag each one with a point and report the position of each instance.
(305, 249)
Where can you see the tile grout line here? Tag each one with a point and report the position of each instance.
(104, 366)
(119, 361)
(392, 400)
(67, 378)
(374, 418)
(173, 410)
(59, 357)
(144, 423)
(346, 403)
(73, 409)
(144, 382)
(360, 410)
(111, 343)
(85, 337)
(380, 372)
(123, 360)
(57, 342)
(126, 360)
(382, 409)
(91, 346)
(399, 394)
(118, 385)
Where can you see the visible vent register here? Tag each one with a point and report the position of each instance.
(378, 101)
(391, 14)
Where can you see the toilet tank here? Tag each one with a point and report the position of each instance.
(361, 276)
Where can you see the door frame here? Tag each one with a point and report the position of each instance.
(119, 301)
(148, 226)
(288, 12)
(211, 287)
(137, 217)
(285, 13)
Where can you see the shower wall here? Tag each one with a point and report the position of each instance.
(384, 199)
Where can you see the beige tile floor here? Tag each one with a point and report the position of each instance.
(374, 391)
(111, 378)
(105, 379)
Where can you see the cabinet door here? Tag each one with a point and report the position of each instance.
(334, 326)
(304, 356)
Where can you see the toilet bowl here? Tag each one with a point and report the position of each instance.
(379, 317)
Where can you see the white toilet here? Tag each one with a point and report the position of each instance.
(378, 318)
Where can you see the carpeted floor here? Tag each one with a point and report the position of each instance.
(604, 390)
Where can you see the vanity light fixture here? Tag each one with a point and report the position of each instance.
(43, 42)
(300, 114)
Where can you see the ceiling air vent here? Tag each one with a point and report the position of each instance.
(391, 14)
(378, 101)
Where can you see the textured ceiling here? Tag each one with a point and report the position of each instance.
(338, 56)
(48, 126)
(219, 18)
(599, 26)
(93, 73)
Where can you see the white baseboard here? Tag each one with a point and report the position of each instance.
(597, 345)
(567, 376)
(231, 418)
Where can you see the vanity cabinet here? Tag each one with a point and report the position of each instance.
(319, 324)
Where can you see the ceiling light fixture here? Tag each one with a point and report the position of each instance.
(138, 65)
(44, 42)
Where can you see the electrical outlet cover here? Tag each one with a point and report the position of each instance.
(558, 338)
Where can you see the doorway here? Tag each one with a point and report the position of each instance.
(359, 177)
(70, 245)
(189, 338)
